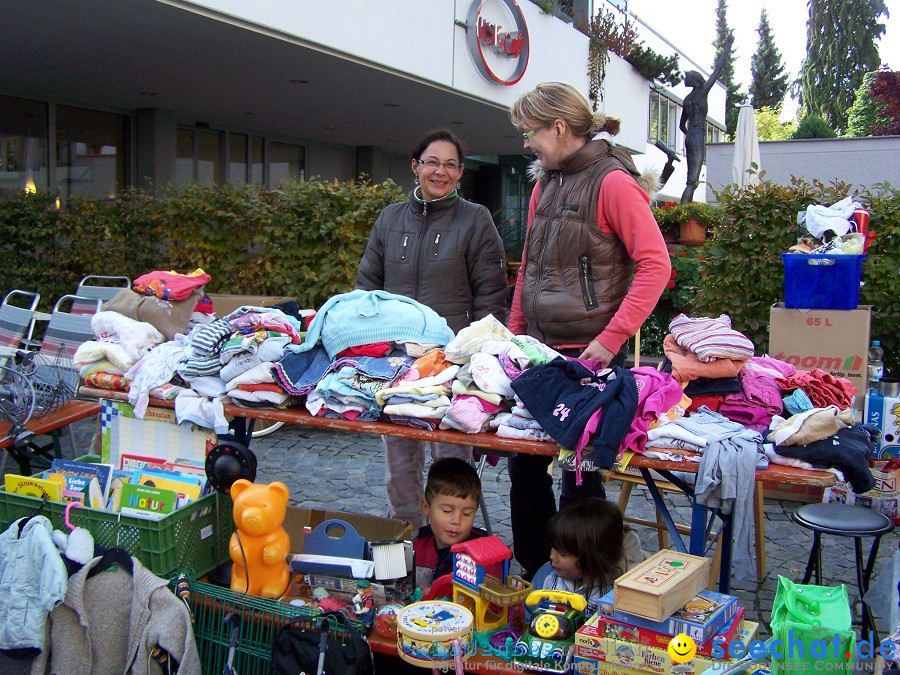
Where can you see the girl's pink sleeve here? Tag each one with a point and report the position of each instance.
(517, 323)
(624, 209)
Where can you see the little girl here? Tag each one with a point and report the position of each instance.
(590, 548)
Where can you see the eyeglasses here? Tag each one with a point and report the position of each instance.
(528, 134)
(433, 164)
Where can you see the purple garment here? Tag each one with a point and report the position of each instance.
(658, 393)
(758, 400)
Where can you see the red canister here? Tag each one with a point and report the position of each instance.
(861, 218)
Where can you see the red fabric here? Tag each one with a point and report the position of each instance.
(262, 386)
(711, 401)
(170, 285)
(622, 208)
(822, 388)
(375, 349)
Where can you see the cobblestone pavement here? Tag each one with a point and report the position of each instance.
(343, 471)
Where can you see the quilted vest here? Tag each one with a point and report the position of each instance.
(575, 275)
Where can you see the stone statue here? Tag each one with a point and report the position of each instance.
(693, 121)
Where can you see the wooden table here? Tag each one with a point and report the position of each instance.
(27, 451)
(702, 519)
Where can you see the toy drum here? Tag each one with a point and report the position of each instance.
(435, 634)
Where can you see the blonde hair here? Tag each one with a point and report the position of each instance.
(550, 101)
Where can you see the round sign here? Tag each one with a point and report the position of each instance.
(490, 41)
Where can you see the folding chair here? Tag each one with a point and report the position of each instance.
(16, 321)
(105, 290)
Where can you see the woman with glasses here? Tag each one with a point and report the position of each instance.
(446, 253)
(593, 267)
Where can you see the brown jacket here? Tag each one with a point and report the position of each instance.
(575, 275)
(446, 254)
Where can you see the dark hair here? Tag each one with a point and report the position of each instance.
(438, 135)
(593, 531)
(452, 477)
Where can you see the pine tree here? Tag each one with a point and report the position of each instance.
(734, 97)
(768, 83)
(841, 49)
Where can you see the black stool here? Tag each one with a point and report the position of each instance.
(844, 521)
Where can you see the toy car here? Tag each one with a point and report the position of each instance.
(549, 642)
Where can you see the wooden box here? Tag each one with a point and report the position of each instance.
(661, 585)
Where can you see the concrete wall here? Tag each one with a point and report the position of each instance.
(861, 161)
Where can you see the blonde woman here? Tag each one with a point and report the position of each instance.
(593, 267)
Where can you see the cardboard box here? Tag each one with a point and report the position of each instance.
(619, 656)
(884, 413)
(224, 303)
(661, 585)
(299, 520)
(884, 497)
(834, 340)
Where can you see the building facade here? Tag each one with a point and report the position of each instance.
(96, 96)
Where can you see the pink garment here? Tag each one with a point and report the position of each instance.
(467, 414)
(775, 367)
(658, 393)
(267, 321)
(621, 210)
(822, 388)
(758, 400)
(687, 367)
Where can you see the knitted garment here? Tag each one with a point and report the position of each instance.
(364, 317)
(564, 395)
(711, 338)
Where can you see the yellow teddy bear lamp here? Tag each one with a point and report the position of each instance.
(260, 546)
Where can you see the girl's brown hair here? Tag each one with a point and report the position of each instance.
(592, 530)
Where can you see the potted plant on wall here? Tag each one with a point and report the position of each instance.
(666, 216)
(694, 219)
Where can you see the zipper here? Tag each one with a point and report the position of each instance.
(420, 258)
(587, 285)
(540, 276)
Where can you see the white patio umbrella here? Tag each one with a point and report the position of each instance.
(746, 149)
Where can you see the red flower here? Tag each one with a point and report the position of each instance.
(683, 254)
(670, 285)
(674, 274)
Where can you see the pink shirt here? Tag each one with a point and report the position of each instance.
(622, 209)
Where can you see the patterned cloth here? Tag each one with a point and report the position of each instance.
(710, 338)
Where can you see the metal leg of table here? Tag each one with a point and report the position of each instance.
(660, 503)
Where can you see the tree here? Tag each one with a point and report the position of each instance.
(769, 82)
(770, 128)
(840, 46)
(863, 113)
(734, 97)
(813, 126)
(886, 91)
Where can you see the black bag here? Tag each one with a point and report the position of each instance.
(297, 645)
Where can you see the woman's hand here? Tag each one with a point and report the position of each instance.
(597, 352)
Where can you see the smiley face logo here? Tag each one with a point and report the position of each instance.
(682, 648)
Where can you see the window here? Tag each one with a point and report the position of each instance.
(714, 134)
(285, 161)
(256, 159)
(663, 122)
(90, 152)
(23, 145)
(199, 156)
(237, 159)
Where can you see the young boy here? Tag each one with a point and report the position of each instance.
(452, 492)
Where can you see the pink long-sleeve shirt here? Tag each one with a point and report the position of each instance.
(622, 209)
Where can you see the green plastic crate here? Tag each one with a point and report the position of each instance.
(195, 536)
(261, 618)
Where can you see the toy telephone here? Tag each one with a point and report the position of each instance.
(574, 600)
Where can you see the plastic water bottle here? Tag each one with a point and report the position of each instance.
(876, 364)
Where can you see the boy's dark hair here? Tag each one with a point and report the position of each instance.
(593, 531)
(438, 135)
(452, 477)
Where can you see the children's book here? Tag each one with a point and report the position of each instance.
(651, 638)
(42, 488)
(188, 488)
(701, 618)
(149, 500)
(118, 479)
(78, 476)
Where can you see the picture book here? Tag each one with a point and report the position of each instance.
(150, 500)
(78, 475)
(118, 479)
(604, 626)
(188, 488)
(33, 487)
(701, 618)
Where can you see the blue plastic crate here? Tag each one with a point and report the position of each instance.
(822, 281)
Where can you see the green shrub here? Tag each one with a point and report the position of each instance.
(813, 126)
(304, 239)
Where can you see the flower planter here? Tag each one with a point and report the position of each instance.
(691, 232)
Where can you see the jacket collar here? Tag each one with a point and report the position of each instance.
(432, 207)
